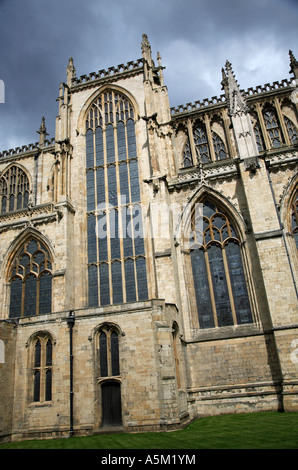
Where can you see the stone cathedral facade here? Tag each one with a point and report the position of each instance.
(148, 256)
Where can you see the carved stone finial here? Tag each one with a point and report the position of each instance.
(70, 72)
(146, 48)
(236, 101)
(42, 132)
(293, 65)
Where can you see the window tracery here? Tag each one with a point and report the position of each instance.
(42, 368)
(116, 252)
(208, 147)
(218, 273)
(31, 280)
(14, 190)
(108, 352)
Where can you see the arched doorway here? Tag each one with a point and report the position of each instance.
(111, 404)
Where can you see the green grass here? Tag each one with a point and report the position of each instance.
(268, 430)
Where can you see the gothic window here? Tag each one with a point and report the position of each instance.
(108, 352)
(273, 127)
(259, 137)
(294, 217)
(42, 368)
(116, 252)
(206, 149)
(292, 130)
(201, 144)
(187, 158)
(14, 190)
(218, 273)
(31, 280)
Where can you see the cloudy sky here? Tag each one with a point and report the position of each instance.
(194, 37)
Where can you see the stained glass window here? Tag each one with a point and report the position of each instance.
(112, 180)
(31, 280)
(218, 273)
(14, 190)
(292, 130)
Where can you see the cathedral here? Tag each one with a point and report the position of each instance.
(148, 256)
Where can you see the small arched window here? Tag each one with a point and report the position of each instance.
(31, 280)
(42, 368)
(218, 273)
(14, 190)
(108, 352)
(207, 150)
(272, 126)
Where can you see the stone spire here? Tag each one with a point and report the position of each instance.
(42, 133)
(293, 65)
(70, 72)
(236, 101)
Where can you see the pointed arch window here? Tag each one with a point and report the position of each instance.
(42, 368)
(31, 280)
(272, 126)
(108, 352)
(219, 279)
(116, 251)
(14, 190)
(292, 130)
(206, 149)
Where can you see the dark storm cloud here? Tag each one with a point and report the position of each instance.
(195, 37)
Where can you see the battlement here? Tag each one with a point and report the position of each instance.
(25, 149)
(111, 71)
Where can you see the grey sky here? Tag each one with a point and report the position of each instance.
(194, 37)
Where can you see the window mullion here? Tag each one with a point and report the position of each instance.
(263, 128)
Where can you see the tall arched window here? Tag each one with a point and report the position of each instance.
(42, 368)
(14, 190)
(116, 253)
(219, 279)
(31, 280)
(108, 352)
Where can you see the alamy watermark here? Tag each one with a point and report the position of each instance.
(185, 221)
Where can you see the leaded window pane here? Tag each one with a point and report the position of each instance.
(45, 293)
(114, 354)
(48, 396)
(16, 286)
(238, 283)
(36, 393)
(103, 355)
(30, 295)
(202, 289)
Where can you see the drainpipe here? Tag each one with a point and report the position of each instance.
(267, 164)
(70, 322)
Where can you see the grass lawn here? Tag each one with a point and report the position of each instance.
(268, 430)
